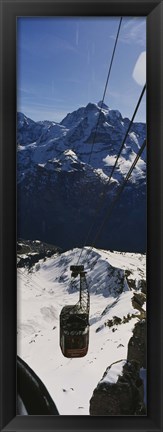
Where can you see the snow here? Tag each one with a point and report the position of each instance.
(109, 160)
(101, 173)
(42, 293)
(114, 372)
(77, 131)
(134, 138)
(42, 165)
(139, 170)
(21, 148)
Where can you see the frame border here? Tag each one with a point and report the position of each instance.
(153, 10)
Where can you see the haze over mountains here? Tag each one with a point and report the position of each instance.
(62, 180)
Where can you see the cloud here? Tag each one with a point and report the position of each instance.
(139, 72)
(25, 92)
(57, 44)
(134, 30)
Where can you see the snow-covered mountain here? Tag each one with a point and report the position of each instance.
(62, 179)
(43, 290)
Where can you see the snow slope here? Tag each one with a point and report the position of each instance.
(43, 292)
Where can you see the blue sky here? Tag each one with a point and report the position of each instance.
(63, 62)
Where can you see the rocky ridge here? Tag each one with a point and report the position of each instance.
(122, 389)
(60, 186)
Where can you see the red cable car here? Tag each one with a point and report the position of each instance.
(74, 321)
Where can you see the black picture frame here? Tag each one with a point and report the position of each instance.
(153, 10)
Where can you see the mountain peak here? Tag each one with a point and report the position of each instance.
(91, 107)
(102, 105)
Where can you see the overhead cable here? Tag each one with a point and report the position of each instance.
(105, 89)
(116, 198)
(113, 168)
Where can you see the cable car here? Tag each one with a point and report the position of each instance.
(74, 321)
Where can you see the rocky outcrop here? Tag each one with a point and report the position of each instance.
(138, 301)
(137, 344)
(61, 181)
(120, 392)
(142, 285)
(29, 252)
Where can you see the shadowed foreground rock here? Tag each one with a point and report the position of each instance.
(120, 394)
(121, 391)
(137, 344)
